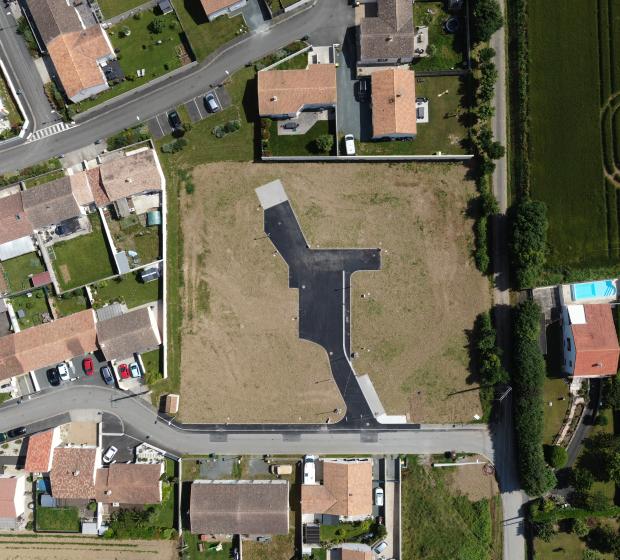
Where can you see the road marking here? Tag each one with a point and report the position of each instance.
(48, 131)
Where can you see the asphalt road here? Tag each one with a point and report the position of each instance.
(323, 278)
(141, 421)
(326, 21)
(24, 75)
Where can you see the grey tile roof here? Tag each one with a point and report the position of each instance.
(53, 18)
(50, 203)
(390, 34)
(247, 507)
(120, 337)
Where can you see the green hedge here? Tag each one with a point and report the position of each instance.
(528, 377)
(529, 242)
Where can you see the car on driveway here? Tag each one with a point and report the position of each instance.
(87, 365)
(349, 144)
(53, 377)
(379, 548)
(174, 120)
(16, 432)
(63, 371)
(211, 103)
(134, 368)
(291, 125)
(309, 469)
(3, 436)
(378, 496)
(106, 373)
(123, 371)
(109, 454)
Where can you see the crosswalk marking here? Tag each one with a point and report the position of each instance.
(49, 131)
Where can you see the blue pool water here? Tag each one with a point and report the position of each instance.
(589, 290)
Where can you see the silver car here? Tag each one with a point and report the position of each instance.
(211, 103)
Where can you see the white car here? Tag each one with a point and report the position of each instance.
(309, 469)
(378, 496)
(63, 371)
(134, 369)
(349, 144)
(380, 547)
(109, 454)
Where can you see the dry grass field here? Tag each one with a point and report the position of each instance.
(241, 356)
(471, 481)
(55, 547)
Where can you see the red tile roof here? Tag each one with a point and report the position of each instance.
(13, 220)
(39, 454)
(131, 484)
(73, 473)
(596, 342)
(8, 487)
(41, 279)
(212, 6)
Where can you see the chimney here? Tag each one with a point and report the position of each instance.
(389, 38)
(274, 98)
(76, 472)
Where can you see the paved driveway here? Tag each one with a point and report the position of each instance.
(255, 15)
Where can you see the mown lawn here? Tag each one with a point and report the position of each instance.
(64, 519)
(209, 553)
(554, 414)
(300, 144)
(127, 289)
(84, 259)
(444, 132)
(70, 302)
(152, 365)
(563, 546)
(207, 36)
(449, 47)
(436, 524)
(17, 271)
(156, 53)
(566, 148)
(111, 8)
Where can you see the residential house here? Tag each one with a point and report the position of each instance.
(352, 552)
(50, 203)
(243, 507)
(72, 476)
(15, 228)
(48, 343)
(12, 506)
(133, 332)
(285, 93)
(129, 485)
(78, 51)
(590, 340)
(216, 8)
(41, 451)
(393, 104)
(344, 494)
(387, 37)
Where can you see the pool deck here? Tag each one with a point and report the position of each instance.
(566, 294)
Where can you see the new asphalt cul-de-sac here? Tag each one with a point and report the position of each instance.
(323, 278)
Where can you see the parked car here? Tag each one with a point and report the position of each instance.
(3, 436)
(378, 549)
(280, 470)
(63, 371)
(134, 369)
(211, 103)
(87, 365)
(174, 120)
(106, 373)
(53, 377)
(109, 454)
(291, 125)
(123, 371)
(378, 496)
(349, 144)
(309, 469)
(16, 432)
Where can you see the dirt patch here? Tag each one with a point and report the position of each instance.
(46, 547)
(281, 547)
(64, 272)
(471, 481)
(241, 356)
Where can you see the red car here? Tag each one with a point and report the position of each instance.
(87, 365)
(123, 370)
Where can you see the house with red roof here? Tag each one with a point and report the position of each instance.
(12, 501)
(41, 451)
(590, 341)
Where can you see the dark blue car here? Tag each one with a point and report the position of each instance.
(107, 375)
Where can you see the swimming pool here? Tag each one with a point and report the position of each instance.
(591, 290)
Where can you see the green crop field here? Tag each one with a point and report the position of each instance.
(574, 99)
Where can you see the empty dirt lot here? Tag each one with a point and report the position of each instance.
(241, 356)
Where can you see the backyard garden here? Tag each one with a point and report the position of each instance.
(127, 289)
(57, 519)
(69, 303)
(18, 270)
(83, 259)
(31, 309)
(320, 139)
(133, 234)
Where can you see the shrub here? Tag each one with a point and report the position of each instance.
(481, 254)
(486, 19)
(323, 143)
(528, 378)
(602, 538)
(581, 479)
(601, 420)
(156, 26)
(589, 554)
(529, 242)
(556, 456)
(579, 527)
(597, 501)
(545, 530)
(486, 54)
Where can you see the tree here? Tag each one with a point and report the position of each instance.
(581, 479)
(486, 19)
(156, 26)
(613, 466)
(611, 393)
(556, 456)
(602, 538)
(579, 527)
(496, 151)
(529, 242)
(598, 501)
(544, 530)
(324, 143)
(486, 54)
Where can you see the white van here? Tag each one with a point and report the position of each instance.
(309, 469)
